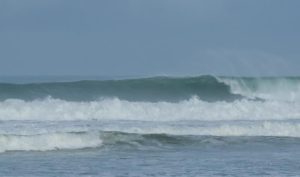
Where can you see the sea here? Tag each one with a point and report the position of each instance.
(153, 126)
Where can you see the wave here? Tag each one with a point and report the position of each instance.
(116, 109)
(147, 112)
(208, 88)
(223, 129)
(146, 89)
(288, 128)
(45, 142)
(266, 133)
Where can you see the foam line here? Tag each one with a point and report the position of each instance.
(116, 109)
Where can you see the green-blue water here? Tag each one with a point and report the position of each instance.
(161, 126)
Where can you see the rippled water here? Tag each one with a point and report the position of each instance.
(202, 156)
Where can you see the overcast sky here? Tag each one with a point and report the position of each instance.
(149, 37)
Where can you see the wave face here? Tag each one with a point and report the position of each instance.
(150, 111)
(208, 88)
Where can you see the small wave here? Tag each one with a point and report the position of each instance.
(266, 133)
(46, 142)
(229, 128)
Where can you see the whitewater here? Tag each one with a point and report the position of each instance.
(164, 115)
(159, 105)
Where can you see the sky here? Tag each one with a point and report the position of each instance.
(147, 38)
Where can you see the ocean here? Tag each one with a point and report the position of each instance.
(157, 126)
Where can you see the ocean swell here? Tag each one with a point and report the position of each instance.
(145, 89)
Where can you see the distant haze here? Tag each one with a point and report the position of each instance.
(149, 37)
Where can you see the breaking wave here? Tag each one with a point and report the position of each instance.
(152, 138)
(148, 89)
(208, 88)
(116, 109)
(146, 112)
(45, 142)
(268, 88)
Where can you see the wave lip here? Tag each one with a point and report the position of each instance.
(266, 88)
(46, 142)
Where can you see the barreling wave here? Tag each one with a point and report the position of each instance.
(149, 89)
(208, 88)
(266, 88)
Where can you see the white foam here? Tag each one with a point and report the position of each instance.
(282, 89)
(93, 136)
(46, 142)
(115, 109)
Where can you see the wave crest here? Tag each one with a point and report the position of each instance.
(281, 89)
